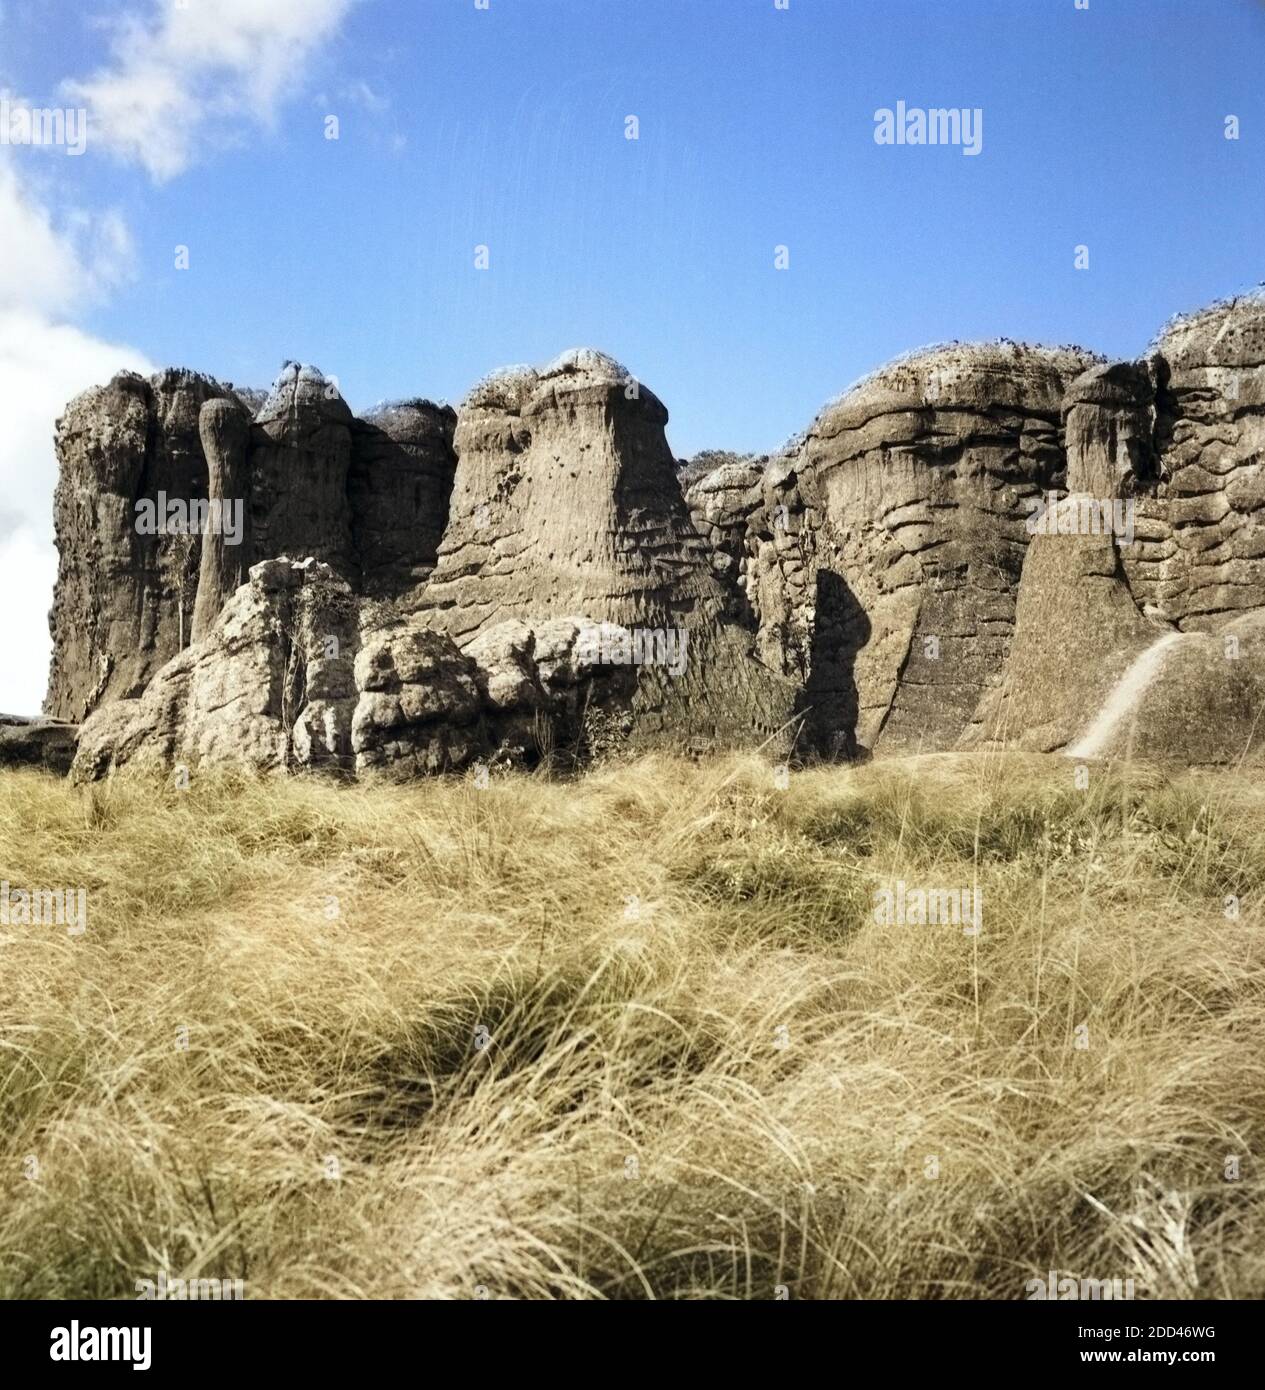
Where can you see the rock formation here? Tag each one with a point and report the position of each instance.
(286, 679)
(980, 546)
(270, 686)
(402, 466)
(1177, 445)
(883, 555)
(566, 502)
(1206, 511)
(300, 474)
(123, 604)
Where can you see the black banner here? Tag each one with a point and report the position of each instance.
(92, 1339)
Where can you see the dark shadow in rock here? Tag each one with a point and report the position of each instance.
(830, 701)
(399, 486)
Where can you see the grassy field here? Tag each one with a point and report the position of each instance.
(637, 1035)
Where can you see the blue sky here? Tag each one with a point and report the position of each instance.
(505, 127)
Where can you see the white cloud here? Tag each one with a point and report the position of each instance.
(184, 76)
(26, 565)
(42, 365)
(53, 266)
(50, 267)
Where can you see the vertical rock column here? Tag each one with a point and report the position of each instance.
(224, 427)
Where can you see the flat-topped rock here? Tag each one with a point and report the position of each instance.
(566, 502)
(1016, 377)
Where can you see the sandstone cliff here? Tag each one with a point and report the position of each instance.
(883, 555)
(426, 589)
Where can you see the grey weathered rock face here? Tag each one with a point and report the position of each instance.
(402, 466)
(124, 599)
(564, 499)
(754, 517)
(1204, 557)
(883, 556)
(1109, 430)
(1077, 631)
(721, 505)
(1176, 444)
(290, 679)
(270, 687)
(300, 459)
(514, 695)
(418, 706)
(922, 476)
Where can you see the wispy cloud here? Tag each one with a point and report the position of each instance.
(184, 79)
(366, 97)
(53, 264)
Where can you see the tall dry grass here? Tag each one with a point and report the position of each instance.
(705, 1070)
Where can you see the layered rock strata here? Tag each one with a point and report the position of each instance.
(988, 545)
(1162, 535)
